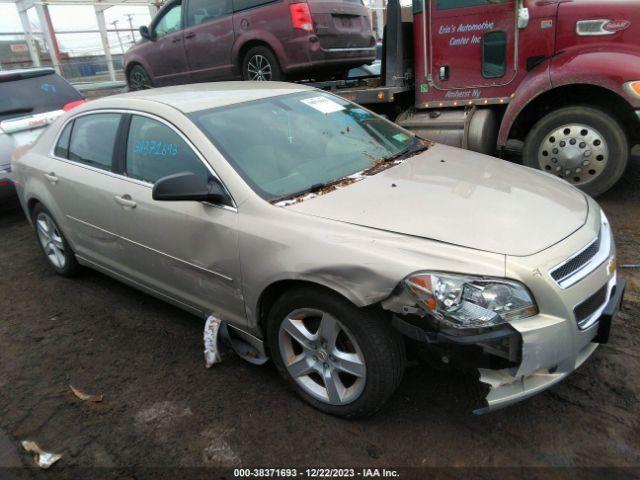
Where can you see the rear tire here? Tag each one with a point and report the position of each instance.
(584, 145)
(138, 79)
(53, 244)
(350, 374)
(260, 64)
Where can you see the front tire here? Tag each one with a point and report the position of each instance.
(340, 359)
(138, 79)
(53, 244)
(584, 145)
(261, 65)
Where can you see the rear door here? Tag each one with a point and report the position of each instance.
(165, 54)
(341, 24)
(81, 181)
(472, 42)
(209, 38)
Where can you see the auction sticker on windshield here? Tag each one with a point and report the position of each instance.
(323, 104)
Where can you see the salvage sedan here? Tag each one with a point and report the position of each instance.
(327, 238)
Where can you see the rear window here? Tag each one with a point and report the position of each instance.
(28, 96)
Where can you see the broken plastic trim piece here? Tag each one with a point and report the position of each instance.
(43, 459)
(242, 348)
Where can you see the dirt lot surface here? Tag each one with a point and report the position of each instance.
(162, 408)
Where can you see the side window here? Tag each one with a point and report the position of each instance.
(170, 22)
(93, 139)
(62, 147)
(494, 54)
(246, 4)
(449, 4)
(202, 11)
(154, 151)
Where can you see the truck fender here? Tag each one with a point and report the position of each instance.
(535, 83)
(606, 69)
(609, 69)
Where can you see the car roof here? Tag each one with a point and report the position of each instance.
(204, 96)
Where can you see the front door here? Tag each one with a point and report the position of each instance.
(472, 43)
(185, 250)
(209, 39)
(165, 53)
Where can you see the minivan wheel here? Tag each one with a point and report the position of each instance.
(53, 244)
(586, 146)
(139, 79)
(340, 359)
(261, 65)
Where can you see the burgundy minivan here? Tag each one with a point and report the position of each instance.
(203, 40)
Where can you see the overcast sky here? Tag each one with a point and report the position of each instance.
(78, 17)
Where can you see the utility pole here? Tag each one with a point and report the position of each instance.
(133, 35)
(115, 27)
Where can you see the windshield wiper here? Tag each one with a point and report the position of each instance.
(418, 145)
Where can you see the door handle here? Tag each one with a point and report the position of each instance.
(51, 177)
(125, 201)
(176, 40)
(190, 35)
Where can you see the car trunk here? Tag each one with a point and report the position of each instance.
(341, 24)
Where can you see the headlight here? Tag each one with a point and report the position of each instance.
(464, 301)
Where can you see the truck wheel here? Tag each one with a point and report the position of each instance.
(584, 145)
(138, 79)
(341, 359)
(261, 65)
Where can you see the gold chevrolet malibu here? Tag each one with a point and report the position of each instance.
(327, 238)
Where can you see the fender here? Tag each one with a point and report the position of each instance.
(534, 84)
(262, 36)
(608, 69)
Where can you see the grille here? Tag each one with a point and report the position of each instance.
(576, 262)
(587, 308)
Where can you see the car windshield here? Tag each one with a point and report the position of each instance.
(288, 145)
(34, 94)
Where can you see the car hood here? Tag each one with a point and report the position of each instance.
(462, 198)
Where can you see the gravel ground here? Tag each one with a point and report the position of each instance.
(162, 408)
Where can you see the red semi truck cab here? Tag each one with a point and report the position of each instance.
(558, 80)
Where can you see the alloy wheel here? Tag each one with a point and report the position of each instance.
(322, 356)
(259, 68)
(138, 80)
(51, 240)
(578, 153)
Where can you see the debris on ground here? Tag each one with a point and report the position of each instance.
(211, 353)
(86, 396)
(43, 459)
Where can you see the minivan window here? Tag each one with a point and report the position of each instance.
(62, 147)
(245, 4)
(288, 144)
(37, 94)
(202, 11)
(170, 22)
(154, 151)
(93, 139)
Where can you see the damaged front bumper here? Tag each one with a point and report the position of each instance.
(545, 348)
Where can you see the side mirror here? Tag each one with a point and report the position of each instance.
(186, 186)
(144, 32)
